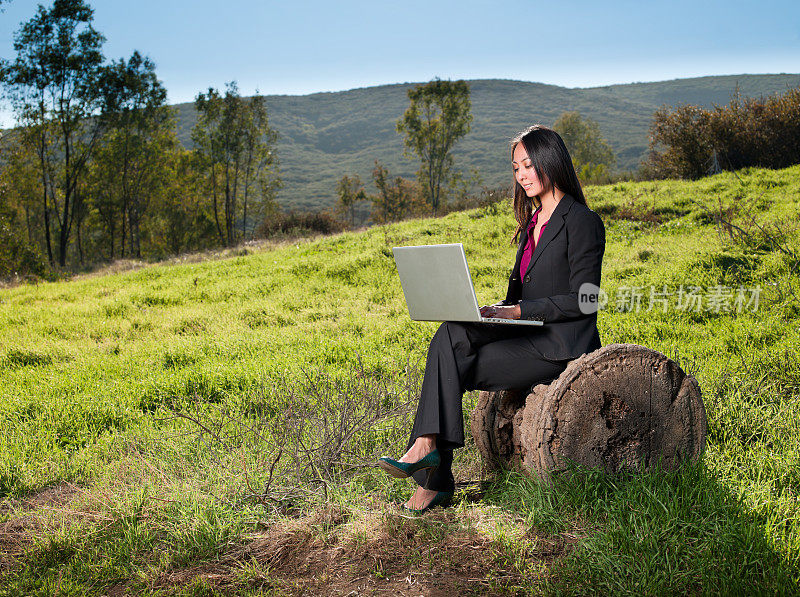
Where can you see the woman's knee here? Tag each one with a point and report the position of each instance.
(451, 327)
(495, 370)
(448, 331)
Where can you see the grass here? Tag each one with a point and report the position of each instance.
(105, 491)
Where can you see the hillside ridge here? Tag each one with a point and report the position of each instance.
(325, 135)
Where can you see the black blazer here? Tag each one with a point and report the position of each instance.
(569, 254)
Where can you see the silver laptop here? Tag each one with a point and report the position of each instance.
(438, 287)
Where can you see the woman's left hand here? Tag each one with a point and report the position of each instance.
(501, 311)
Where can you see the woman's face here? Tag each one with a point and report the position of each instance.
(525, 173)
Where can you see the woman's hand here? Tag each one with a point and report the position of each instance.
(501, 311)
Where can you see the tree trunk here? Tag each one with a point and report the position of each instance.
(127, 207)
(47, 224)
(80, 245)
(111, 230)
(246, 193)
(28, 223)
(63, 236)
(45, 207)
(123, 232)
(228, 241)
(234, 193)
(66, 218)
(135, 221)
(214, 195)
(622, 406)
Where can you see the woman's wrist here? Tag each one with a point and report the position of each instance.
(505, 312)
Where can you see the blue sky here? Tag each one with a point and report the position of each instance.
(298, 47)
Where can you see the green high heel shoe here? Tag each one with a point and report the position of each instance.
(442, 498)
(401, 470)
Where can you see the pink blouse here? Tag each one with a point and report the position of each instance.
(527, 252)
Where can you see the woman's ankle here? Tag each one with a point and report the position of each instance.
(421, 498)
(422, 446)
(426, 442)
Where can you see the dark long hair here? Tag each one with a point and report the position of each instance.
(553, 166)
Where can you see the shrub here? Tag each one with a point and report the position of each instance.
(690, 141)
(299, 223)
(17, 258)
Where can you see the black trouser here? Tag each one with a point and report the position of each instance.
(472, 356)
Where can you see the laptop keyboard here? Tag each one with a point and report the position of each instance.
(506, 321)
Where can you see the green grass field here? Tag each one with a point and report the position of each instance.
(105, 490)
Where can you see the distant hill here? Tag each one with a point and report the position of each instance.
(326, 135)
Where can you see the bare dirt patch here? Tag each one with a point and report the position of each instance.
(372, 549)
(22, 522)
(378, 552)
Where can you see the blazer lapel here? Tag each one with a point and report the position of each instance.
(523, 239)
(554, 226)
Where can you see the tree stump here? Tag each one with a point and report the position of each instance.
(622, 406)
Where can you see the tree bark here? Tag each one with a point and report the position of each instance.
(622, 406)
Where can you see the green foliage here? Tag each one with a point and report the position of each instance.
(437, 117)
(235, 143)
(302, 224)
(335, 132)
(130, 165)
(691, 141)
(54, 91)
(17, 258)
(350, 191)
(95, 148)
(591, 154)
(397, 198)
(180, 219)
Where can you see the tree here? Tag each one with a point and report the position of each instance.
(397, 198)
(236, 145)
(684, 133)
(464, 186)
(18, 199)
(692, 141)
(21, 179)
(130, 160)
(260, 160)
(53, 88)
(437, 117)
(591, 154)
(182, 218)
(350, 190)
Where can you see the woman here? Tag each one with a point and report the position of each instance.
(558, 263)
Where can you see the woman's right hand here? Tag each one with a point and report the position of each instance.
(501, 311)
(488, 310)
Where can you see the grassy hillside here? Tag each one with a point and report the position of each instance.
(141, 414)
(327, 135)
